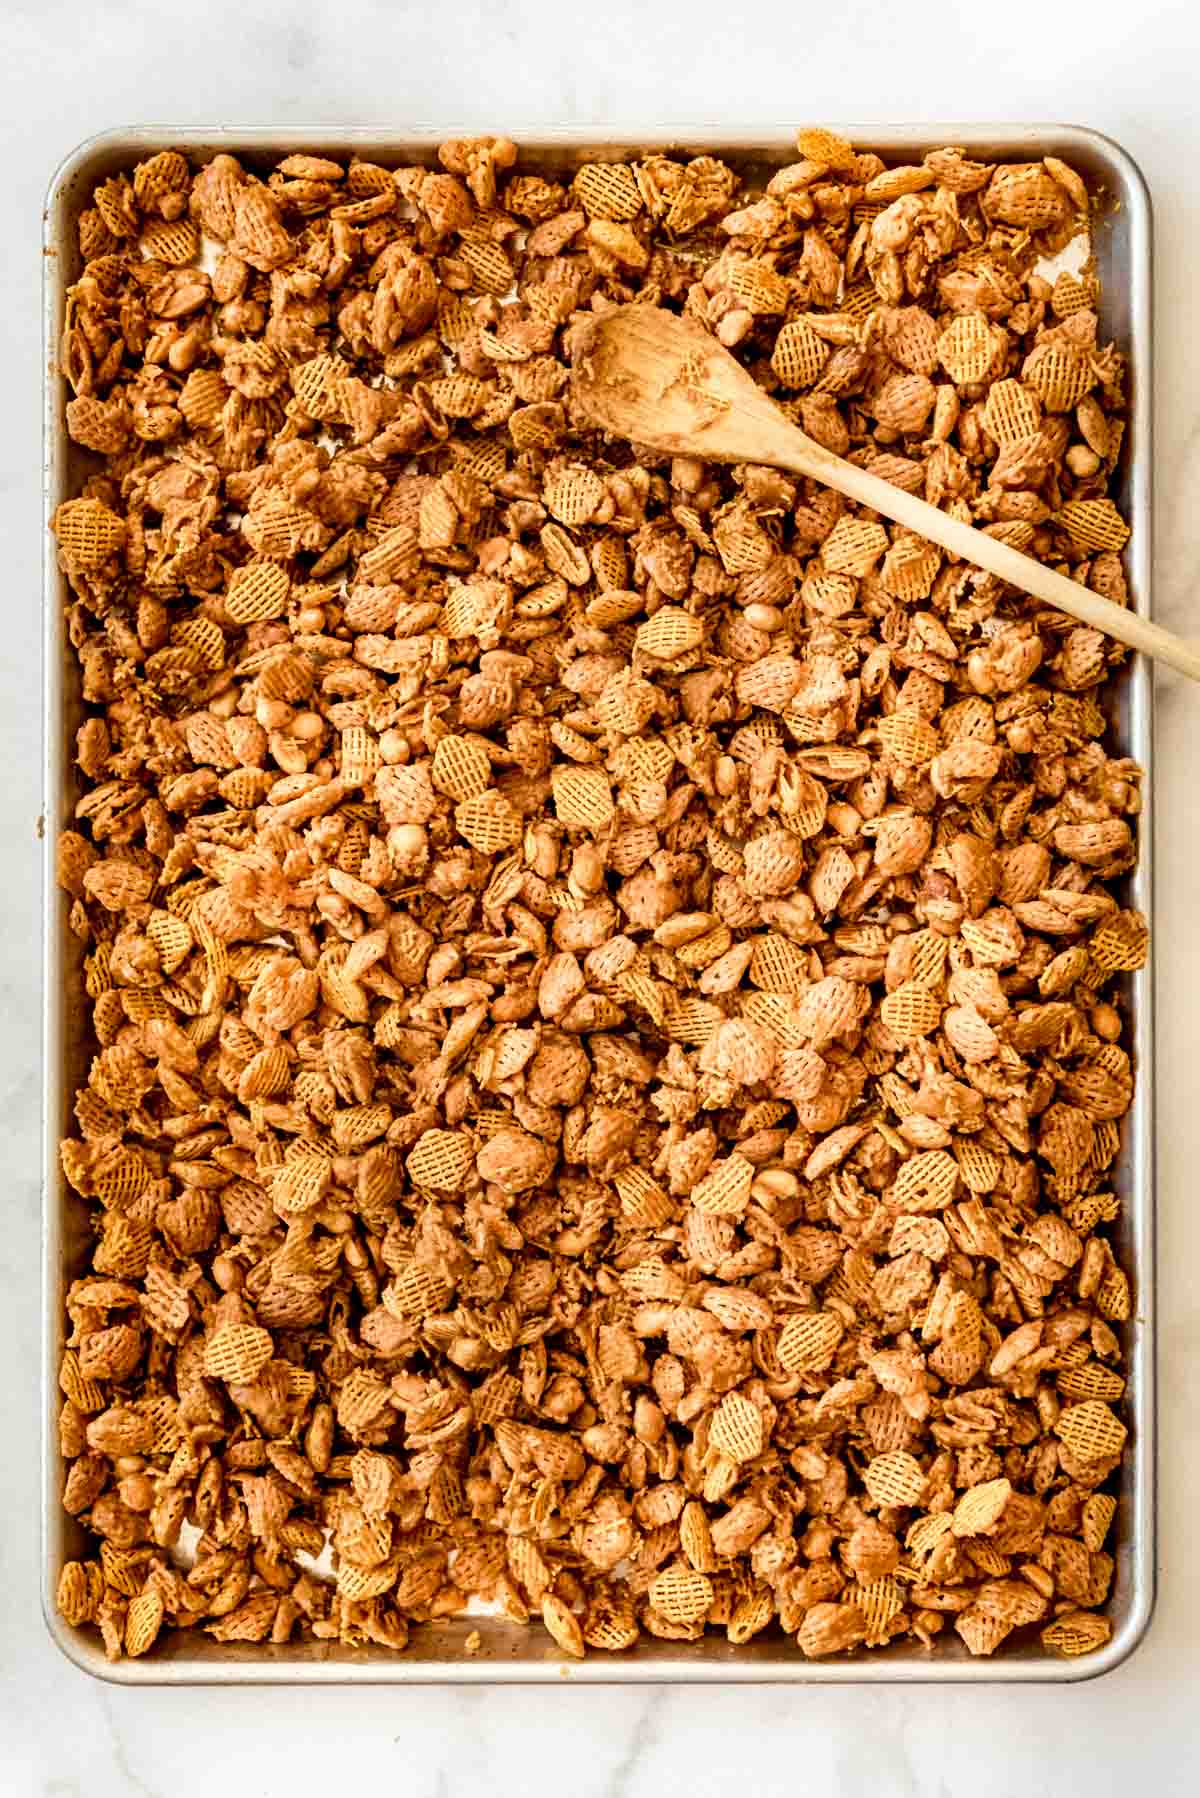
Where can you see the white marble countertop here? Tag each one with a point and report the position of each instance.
(1130, 71)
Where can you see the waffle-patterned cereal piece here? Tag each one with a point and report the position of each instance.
(895, 1478)
(237, 1353)
(967, 349)
(440, 1158)
(488, 822)
(582, 798)
(1091, 1431)
(799, 355)
(808, 1342)
(88, 532)
(670, 633)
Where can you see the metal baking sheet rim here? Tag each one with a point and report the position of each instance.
(513, 1654)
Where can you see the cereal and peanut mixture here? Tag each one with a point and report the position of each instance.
(603, 967)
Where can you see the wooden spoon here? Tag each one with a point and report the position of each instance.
(649, 375)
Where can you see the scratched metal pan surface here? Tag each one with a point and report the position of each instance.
(510, 1653)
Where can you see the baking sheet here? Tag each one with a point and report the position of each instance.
(1121, 245)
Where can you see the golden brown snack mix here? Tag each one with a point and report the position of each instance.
(604, 968)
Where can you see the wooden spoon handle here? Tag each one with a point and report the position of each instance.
(971, 545)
